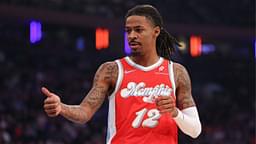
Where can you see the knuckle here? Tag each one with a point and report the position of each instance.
(50, 115)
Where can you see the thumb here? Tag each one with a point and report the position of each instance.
(46, 92)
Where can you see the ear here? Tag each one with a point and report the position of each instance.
(157, 31)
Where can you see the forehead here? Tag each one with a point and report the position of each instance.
(134, 21)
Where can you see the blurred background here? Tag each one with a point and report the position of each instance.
(60, 44)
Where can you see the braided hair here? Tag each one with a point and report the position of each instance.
(165, 43)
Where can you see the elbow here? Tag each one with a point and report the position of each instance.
(196, 131)
(82, 121)
(84, 116)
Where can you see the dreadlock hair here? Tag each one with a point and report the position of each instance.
(165, 43)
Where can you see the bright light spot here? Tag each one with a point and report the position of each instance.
(35, 31)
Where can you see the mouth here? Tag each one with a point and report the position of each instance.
(134, 45)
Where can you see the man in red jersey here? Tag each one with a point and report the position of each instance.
(149, 95)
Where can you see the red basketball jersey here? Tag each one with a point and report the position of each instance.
(133, 117)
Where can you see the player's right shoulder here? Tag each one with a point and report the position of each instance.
(109, 71)
(108, 66)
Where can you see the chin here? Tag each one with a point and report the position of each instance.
(135, 53)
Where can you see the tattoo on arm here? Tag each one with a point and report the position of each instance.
(103, 84)
(183, 92)
(104, 80)
(95, 97)
(74, 113)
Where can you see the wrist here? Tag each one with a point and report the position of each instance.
(62, 108)
(175, 112)
(179, 115)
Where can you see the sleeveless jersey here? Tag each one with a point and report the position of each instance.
(133, 117)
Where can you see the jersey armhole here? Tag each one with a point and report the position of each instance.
(119, 78)
(111, 130)
(171, 76)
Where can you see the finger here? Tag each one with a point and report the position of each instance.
(166, 111)
(165, 101)
(52, 114)
(46, 91)
(160, 98)
(50, 100)
(50, 106)
(162, 102)
(167, 106)
(166, 97)
(51, 111)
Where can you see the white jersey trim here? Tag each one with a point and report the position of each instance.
(171, 75)
(111, 131)
(148, 68)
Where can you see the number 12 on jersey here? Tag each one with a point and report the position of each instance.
(151, 121)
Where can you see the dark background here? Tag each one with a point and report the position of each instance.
(223, 81)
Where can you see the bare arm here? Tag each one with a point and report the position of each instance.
(183, 87)
(184, 112)
(187, 117)
(103, 84)
(184, 97)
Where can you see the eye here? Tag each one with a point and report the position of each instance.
(138, 30)
(128, 30)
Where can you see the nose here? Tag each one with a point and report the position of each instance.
(132, 35)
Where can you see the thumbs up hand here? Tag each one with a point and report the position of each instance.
(166, 104)
(52, 103)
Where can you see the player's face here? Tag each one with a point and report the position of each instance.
(141, 34)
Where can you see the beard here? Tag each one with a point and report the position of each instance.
(135, 53)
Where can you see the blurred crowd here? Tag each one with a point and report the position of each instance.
(23, 73)
(222, 88)
(213, 12)
(223, 85)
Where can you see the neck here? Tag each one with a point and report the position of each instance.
(145, 60)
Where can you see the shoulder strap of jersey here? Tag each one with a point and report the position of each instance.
(171, 75)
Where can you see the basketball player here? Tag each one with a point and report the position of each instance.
(149, 95)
